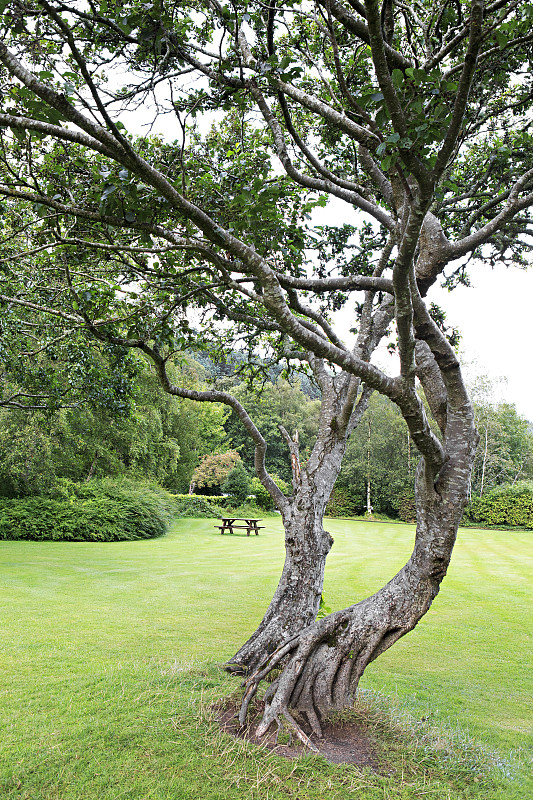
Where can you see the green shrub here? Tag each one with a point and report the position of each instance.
(99, 511)
(217, 500)
(407, 507)
(195, 506)
(505, 505)
(343, 503)
(262, 497)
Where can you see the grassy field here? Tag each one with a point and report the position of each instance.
(109, 653)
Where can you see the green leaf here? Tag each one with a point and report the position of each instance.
(388, 162)
(109, 188)
(397, 77)
(419, 75)
(501, 38)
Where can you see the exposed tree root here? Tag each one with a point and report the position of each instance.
(322, 665)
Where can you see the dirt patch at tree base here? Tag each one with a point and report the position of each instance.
(343, 742)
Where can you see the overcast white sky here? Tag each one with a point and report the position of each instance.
(495, 317)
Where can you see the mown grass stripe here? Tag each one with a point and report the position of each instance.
(108, 654)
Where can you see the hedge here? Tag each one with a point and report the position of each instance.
(504, 505)
(262, 498)
(99, 511)
(215, 500)
(343, 503)
(190, 505)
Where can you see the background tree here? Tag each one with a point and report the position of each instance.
(237, 484)
(213, 471)
(276, 404)
(154, 436)
(378, 453)
(505, 453)
(421, 129)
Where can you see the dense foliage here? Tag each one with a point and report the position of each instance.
(344, 502)
(237, 484)
(508, 505)
(277, 403)
(159, 438)
(102, 511)
(262, 497)
(505, 451)
(195, 506)
(164, 438)
(380, 461)
(213, 471)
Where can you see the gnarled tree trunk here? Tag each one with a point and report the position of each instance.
(323, 662)
(297, 598)
(296, 601)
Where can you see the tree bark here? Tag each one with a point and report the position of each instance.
(296, 600)
(92, 467)
(323, 662)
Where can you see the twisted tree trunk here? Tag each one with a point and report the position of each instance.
(323, 662)
(296, 601)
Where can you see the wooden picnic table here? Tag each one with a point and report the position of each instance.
(250, 524)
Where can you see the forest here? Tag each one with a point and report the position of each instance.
(173, 441)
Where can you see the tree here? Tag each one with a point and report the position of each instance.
(156, 436)
(505, 454)
(416, 122)
(278, 403)
(214, 470)
(378, 461)
(237, 484)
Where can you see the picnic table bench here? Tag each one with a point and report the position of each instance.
(250, 524)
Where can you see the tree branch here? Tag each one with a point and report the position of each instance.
(463, 90)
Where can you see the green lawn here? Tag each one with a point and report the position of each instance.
(108, 658)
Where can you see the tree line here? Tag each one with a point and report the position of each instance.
(176, 442)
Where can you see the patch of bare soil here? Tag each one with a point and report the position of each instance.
(343, 742)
